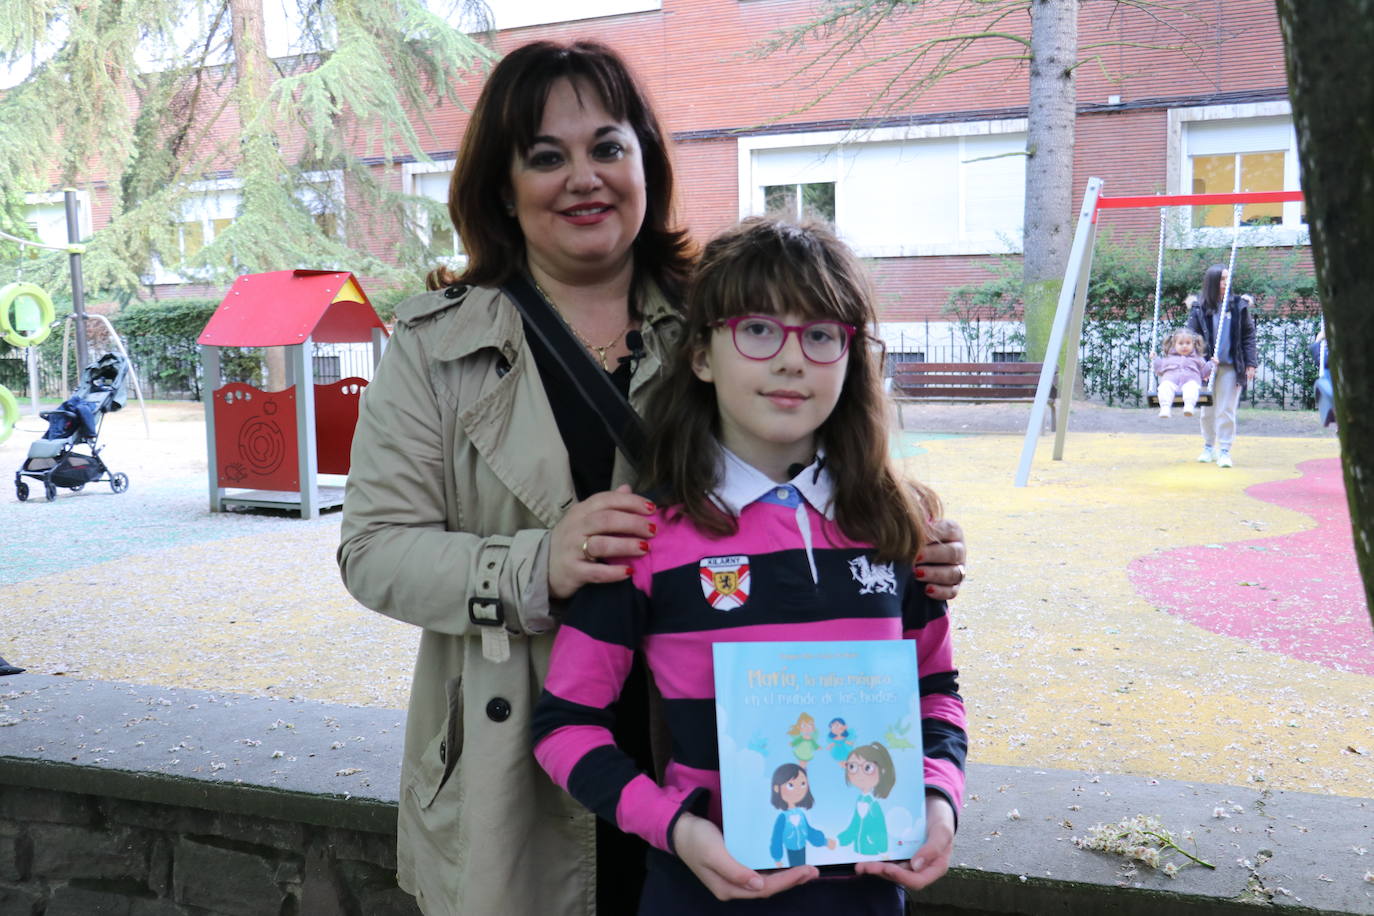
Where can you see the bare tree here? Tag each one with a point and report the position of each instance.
(1331, 84)
(954, 37)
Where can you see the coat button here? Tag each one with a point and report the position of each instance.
(443, 752)
(498, 709)
(502, 367)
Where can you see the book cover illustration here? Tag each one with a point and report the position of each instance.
(820, 751)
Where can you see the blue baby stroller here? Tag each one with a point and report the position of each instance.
(55, 459)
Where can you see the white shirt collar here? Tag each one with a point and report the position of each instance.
(742, 484)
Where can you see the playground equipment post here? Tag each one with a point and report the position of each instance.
(78, 287)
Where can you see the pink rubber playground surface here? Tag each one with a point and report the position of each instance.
(1296, 594)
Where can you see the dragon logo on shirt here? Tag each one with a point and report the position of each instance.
(876, 578)
(725, 581)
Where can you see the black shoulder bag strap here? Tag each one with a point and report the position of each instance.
(623, 425)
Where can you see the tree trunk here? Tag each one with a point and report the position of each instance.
(1049, 165)
(1331, 85)
(254, 71)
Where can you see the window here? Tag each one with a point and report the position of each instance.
(430, 180)
(513, 14)
(815, 200)
(322, 193)
(1230, 148)
(896, 192)
(207, 210)
(46, 215)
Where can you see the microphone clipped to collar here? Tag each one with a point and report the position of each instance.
(635, 342)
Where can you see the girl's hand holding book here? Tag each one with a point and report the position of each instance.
(701, 846)
(931, 860)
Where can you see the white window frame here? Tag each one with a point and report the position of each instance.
(334, 179)
(515, 14)
(1179, 179)
(48, 199)
(841, 142)
(459, 259)
(161, 275)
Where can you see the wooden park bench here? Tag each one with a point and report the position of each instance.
(966, 383)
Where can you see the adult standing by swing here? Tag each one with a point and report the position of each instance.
(1225, 322)
(485, 487)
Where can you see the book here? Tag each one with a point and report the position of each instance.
(820, 751)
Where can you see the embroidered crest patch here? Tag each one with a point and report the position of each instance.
(725, 582)
(876, 578)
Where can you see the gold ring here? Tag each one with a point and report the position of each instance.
(588, 557)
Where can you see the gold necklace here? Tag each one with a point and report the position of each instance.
(600, 351)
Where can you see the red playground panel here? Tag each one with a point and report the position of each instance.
(255, 438)
(336, 415)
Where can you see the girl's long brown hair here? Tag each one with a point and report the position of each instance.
(764, 266)
(505, 121)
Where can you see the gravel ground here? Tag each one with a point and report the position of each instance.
(1065, 664)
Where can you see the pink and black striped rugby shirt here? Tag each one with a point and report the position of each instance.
(788, 574)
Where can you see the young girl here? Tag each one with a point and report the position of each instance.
(1181, 369)
(769, 462)
(792, 831)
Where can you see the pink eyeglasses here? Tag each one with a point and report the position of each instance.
(761, 337)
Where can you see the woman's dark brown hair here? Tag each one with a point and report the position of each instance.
(764, 266)
(504, 123)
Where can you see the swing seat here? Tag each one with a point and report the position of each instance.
(1204, 398)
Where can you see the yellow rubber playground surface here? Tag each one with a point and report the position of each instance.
(1065, 663)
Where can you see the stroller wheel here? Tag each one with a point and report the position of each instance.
(119, 482)
(50, 491)
(21, 490)
(78, 488)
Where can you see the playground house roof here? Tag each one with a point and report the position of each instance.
(284, 307)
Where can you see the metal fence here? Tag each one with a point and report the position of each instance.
(170, 368)
(1114, 359)
(1115, 356)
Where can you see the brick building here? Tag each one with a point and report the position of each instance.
(930, 189)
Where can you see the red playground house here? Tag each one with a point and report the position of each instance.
(268, 448)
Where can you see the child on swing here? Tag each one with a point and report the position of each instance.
(1181, 370)
(769, 462)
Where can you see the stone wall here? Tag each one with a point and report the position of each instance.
(66, 854)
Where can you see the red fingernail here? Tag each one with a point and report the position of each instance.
(920, 557)
(629, 571)
(920, 573)
(653, 529)
(644, 546)
(930, 589)
(649, 506)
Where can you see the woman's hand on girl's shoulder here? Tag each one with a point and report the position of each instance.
(931, 861)
(701, 847)
(611, 524)
(939, 566)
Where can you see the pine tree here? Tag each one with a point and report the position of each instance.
(94, 113)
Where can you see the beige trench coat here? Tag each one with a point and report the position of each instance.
(458, 473)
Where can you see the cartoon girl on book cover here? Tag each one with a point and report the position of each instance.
(792, 831)
(840, 740)
(868, 769)
(804, 743)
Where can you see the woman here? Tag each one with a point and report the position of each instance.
(1231, 348)
(480, 496)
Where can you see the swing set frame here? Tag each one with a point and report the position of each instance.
(1066, 334)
